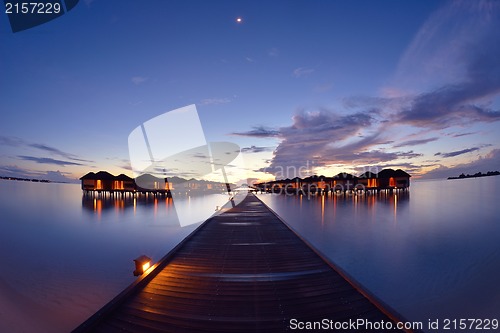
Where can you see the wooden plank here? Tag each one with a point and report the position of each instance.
(243, 271)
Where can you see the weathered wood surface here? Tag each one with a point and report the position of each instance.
(242, 271)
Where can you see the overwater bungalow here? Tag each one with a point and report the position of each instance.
(387, 179)
(344, 182)
(88, 181)
(194, 185)
(124, 183)
(317, 184)
(147, 183)
(369, 180)
(101, 181)
(393, 179)
(287, 185)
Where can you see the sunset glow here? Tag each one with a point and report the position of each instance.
(336, 86)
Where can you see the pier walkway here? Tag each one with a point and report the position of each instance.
(241, 271)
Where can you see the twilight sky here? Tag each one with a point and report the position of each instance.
(329, 85)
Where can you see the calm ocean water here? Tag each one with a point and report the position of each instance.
(431, 254)
(434, 253)
(63, 256)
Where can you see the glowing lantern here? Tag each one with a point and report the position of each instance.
(141, 265)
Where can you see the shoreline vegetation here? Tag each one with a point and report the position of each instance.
(461, 176)
(28, 179)
(476, 175)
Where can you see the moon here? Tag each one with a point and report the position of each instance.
(239, 20)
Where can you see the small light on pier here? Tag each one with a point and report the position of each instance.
(142, 264)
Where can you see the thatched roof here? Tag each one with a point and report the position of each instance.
(148, 177)
(401, 173)
(388, 173)
(104, 175)
(123, 177)
(344, 175)
(368, 175)
(90, 175)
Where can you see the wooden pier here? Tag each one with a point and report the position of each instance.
(243, 270)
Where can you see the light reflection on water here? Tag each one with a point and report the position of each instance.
(63, 256)
(431, 253)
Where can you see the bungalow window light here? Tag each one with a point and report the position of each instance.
(391, 182)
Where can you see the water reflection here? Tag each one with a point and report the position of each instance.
(72, 266)
(322, 209)
(357, 201)
(434, 256)
(119, 204)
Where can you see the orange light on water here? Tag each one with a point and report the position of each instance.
(322, 209)
(98, 206)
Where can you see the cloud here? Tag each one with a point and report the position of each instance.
(47, 160)
(464, 69)
(323, 88)
(324, 138)
(56, 151)
(273, 52)
(490, 162)
(58, 176)
(301, 71)
(15, 171)
(411, 168)
(11, 141)
(457, 54)
(55, 176)
(408, 154)
(135, 103)
(450, 105)
(17, 142)
(415, 142)
(49, 149)
(437, 53)
(255, 149)
(463, 134)
(259, 132)
(320, 138)
(463, 151)
(126, 166)
(249, 59)
(457, 152)
(138, 79)
(214, 101)
(390, 106)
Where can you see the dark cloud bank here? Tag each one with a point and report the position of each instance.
(326, 137)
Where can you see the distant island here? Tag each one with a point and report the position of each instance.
(478, 174)
(26, 179)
